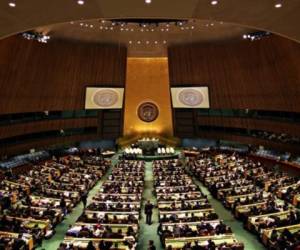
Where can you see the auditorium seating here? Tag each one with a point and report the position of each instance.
(110, 221)
(186, 217)
(263, 198)
(31, 201)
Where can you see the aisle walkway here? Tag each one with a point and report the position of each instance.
(70, 219)
(250, 241)
(148, 232)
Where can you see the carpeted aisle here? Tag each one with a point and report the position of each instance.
(148, 232)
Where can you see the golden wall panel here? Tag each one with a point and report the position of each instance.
(147, 79)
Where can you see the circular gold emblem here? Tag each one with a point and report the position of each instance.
(148, 112)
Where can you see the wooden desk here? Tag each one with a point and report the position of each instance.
(120, 215)
(186, 213)
(192, 225)
(178, 243)
(118, 244)
(231, 199)
(266, 235)
(222, 193)
(252, 224)
(115, 227)
(26, 237)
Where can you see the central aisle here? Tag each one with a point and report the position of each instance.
(147, 232)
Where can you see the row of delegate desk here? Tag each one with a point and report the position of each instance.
(253, 193)
(110, 221)
(187, 220)
(33, 199)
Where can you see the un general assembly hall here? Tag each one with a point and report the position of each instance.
(149, 125)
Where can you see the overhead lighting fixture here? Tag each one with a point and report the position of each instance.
(32, 35)
(278, 4)
(80, 2)
(148, 1)
(256, 35)
(214, 2)
(12, 4)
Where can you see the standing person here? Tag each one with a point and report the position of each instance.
(151, 245)
(84, 199)
(148, 212)
(63, 205)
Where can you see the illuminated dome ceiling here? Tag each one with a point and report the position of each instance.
(145, 37)
(228, 16)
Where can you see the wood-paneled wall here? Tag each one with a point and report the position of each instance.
(44, 143)
(263, 74)
(259, 75)
(40, 126)
(247, 123)
(37, 77)
(53, 76)
(250, 141)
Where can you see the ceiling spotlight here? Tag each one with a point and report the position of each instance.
(214, 2)
(278, 5)
(148, 1)
(12, 4)
(80, 2)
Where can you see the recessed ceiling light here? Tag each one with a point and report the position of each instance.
(214, 2)
(80, 2)
(278, 5)
(148, 1)
(12, 4)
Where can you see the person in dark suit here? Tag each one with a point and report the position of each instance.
(148, 212)
(19, 243)
(84, 199)
(151, 245)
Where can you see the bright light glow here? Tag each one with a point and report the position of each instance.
(214, 2)
(80, 2)
(12, 4)
(278, 5)
(148, 1)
